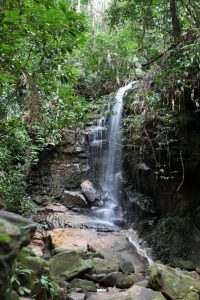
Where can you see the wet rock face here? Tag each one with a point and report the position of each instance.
(15, 233)
(62, 167)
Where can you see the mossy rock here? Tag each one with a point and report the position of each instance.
(38, 265)
(129, 280)
(85, 285)
(11, 296)
(111, 279)
(69, 264)
(174, 283)
(104, 266)
(183, 264)
(126, 267)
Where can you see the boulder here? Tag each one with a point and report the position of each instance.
(112, 279)
(15, 232)
(73, 199)
(174, 283)
(91, 194)
(104, 266)
(140, 293)
(126, 267)
(84, 285)
(69, 265)
(129, 280)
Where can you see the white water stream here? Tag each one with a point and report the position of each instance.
(111, 172)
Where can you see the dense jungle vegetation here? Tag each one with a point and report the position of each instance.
(55, 64)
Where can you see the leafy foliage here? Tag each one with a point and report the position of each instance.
(37, 95)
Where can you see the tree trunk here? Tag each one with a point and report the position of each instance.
(175, 21)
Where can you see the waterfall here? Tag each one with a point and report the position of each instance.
(111, 171)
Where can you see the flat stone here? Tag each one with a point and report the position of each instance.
(59, 216)
(53, 208)
(71, 238)
(85, 285)
(73, 199)
(109, 296)
(75, 296)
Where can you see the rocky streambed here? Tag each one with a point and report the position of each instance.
(66, 256)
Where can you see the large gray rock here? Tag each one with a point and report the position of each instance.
(90, 192)
(174, 283)
(69, 264)
(73, 199)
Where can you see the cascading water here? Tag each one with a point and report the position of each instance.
(111, 173)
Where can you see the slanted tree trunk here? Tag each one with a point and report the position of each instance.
(175, 21)
(79, 6)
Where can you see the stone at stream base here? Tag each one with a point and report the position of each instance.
(134, 293)
(15, 232)
(69, 265)
(84, 285)
(73, 199)
(91, 194)
(174, 283)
